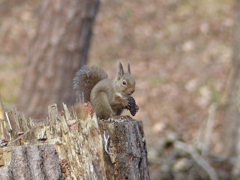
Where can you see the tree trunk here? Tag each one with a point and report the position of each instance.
(231, 131)
(231, 120)
(127, 155)
(65, 147)
(34, 162)
(59, 48)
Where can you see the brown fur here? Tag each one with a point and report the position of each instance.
(108, 97)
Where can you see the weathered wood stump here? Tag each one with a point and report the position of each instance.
(64, 147)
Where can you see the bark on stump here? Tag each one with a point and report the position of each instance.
(64, 147)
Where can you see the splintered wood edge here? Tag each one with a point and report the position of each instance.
(1, 109)
(74, 141)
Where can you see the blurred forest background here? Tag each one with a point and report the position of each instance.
(180, 54)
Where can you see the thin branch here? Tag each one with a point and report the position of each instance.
(198, 159)
(209, 128)
(22, 135)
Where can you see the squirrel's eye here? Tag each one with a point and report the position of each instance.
(124, 82)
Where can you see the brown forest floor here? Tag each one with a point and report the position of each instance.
(180, 54)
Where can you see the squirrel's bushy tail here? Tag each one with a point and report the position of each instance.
(86, 78)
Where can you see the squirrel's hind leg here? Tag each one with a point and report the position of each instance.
(101, 106)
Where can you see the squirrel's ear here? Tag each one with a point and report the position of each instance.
(120, 71)
(129, 70)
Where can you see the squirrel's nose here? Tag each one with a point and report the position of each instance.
(130, 93)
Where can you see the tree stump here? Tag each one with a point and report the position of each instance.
(65, 147)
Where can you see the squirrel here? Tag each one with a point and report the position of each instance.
(108, 97)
